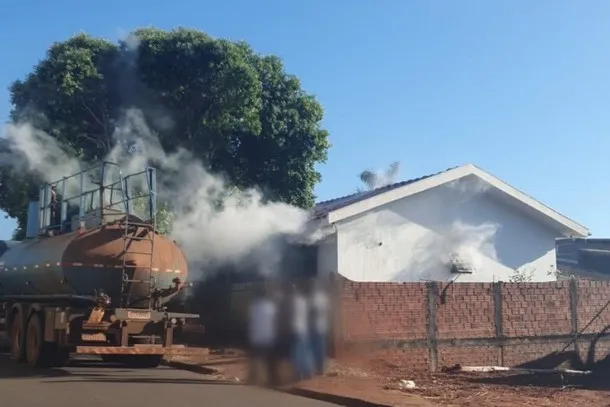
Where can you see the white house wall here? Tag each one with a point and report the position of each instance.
(327, 256)
(410, 240)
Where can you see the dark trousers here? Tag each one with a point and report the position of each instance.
(267, 355)
(318, 347)
(301, 356)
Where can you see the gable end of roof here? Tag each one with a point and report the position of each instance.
(352, 205)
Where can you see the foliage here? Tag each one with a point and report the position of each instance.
(526, 275)
(163, 216)
(521, 276)
(237, 111)
(559, 274)
(15, 191)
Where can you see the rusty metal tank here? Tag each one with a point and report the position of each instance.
(89, 262)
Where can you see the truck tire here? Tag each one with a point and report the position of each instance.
(17, 338)
(37, 352)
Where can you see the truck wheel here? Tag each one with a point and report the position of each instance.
(36, 351)
(17, 338)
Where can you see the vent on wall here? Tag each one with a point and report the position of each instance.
(459, 266)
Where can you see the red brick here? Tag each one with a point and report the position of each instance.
(465, 310)
(404, 319)
(592, 297)
(389, 311)
(536, 309)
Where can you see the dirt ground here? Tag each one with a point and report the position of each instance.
(375, 380)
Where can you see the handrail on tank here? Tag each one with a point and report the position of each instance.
(103, 188)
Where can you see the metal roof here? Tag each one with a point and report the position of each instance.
(335, 210)
(324, 207)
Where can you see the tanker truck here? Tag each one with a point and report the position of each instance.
(93, 275)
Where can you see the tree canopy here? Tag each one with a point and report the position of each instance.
(239, 112)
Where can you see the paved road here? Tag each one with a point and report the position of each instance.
(92, 384)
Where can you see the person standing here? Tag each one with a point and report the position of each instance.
(262, 330)
(320, 309)
(301, 353)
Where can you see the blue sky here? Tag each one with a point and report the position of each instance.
(518, 87)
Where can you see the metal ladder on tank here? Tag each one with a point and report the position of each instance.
(130, 235)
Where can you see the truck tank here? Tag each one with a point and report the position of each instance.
(102, 249)
(89, 263)
(93, 275)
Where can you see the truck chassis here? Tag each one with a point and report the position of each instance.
(44, 334)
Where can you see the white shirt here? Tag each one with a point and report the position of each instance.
(320, 308)
(262, 328)
(299, 315)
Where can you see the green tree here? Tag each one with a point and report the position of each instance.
(15, 189)
(237, 111)
(72, 95)
(163, 217)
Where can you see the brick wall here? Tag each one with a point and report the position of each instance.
(511, 324)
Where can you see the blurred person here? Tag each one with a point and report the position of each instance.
(55, 208)
(300, 346)
(262, 336)
(284, 319)
(319, 325)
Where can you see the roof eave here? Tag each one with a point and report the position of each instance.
(566, 225)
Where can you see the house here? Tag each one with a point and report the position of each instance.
(584, 258)
(461, 224)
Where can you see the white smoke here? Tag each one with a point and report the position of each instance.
(242, 229)
(438, 229)
(471, 243)
(34, 151)
(433, 253)
(469, 187)
(245, 228)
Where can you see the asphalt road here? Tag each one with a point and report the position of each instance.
(87, 382)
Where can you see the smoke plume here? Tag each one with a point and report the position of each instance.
(33, 151)
(378, 179)
(215, 224)
(471, 243)
(444, 229)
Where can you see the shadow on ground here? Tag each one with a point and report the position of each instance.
(101, 378)
(93, 371)
(10, 370)
(331, 398)
(597, 380)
